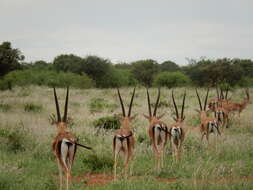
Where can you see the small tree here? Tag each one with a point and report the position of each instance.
(171, 79)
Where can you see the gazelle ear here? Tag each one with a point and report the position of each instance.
(197, 110)
(183, 118)
(147, 117)
(160, 116)
(133, 117)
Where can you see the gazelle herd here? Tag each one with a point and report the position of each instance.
(65, 143)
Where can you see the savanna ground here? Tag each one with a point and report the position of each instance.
(27, 162)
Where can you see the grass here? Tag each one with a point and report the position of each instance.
(27, 162)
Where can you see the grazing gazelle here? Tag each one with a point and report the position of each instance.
(158, 132)
(176, 130)
(123, 140)
(65, 143)
(207, 124)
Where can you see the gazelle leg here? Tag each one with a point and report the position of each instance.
(67, 180)
(60, 174)
(116, 152)
(127, 157)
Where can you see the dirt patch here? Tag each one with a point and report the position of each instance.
(96, 179)
(103, 179)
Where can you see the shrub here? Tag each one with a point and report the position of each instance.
(14, 140)
(171, 79)
(45, 78)
(107, 123)
(30, 107)
(5, 107)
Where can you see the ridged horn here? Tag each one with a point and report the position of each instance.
(66, 106)
(57, 107)
(206, 98)
(174, 103)
(182, 110)
(131, 103)
(157, 101)
(149, 106)
(198, 99)
(121, 103)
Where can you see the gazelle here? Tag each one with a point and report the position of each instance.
(216, 105)
(207, 124)
(157, 131)
(65, 143)
(238, 107)
(176, 130)
(123, 140)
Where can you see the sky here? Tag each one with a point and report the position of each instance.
(129, 30)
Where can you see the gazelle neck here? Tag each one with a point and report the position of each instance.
(125, 123)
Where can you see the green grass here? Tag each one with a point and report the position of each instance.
(27, 162)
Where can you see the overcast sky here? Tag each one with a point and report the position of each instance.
(129, 30)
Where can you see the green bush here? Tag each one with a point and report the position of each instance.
(30, 107)
(171, 79)
(107, 123)
(45, 78)
(14, 140)
(5, 107)
(245, 82)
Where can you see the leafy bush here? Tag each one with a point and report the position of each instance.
(171, 79)
(245, 82)
(45, 78)
(5, 107)
(107, 123)
(14, 140)
(30, 107)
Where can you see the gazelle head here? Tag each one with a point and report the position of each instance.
(125, 119)
(176, 128)
(60, 122)
(153, 117)
(178, 118)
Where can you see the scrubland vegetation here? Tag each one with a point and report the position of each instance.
(27, 162)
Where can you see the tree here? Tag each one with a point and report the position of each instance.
(171, 79)
(9, 58)
(169, 66)
(68, 63)
(144, 71)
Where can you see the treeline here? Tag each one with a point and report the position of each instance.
(93, 71)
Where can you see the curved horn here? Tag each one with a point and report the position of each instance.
(174, 103)
(66, 106)
(131, 103)
(149, 106)
(122, 105)
(182, 110)
(206, 98)
(157, 101)
(198, 99)
(57, 107)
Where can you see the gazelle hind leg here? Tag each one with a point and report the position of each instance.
(116, 153)
(60, 174)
